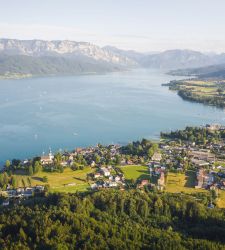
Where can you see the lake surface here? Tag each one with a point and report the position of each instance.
(67, 112)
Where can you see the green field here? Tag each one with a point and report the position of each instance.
(58, 182)
(201, 91)
(179, 182)
(135, 172)
(221, 199)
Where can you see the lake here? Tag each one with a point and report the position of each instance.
(77, 111)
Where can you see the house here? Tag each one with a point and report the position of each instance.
(143, 183)
(202, 155)
(209, 179)
(97, 175)
(112, 184)
(28, 193)
(111, 178)
(92, 164)
(157, 157)
(105, 172)
(199, 163)
(94, 186)
(204, 180)
(161, 180)
(40, 188)
(129, 162)
(117, 178)
(78, 150)
(213, 127)
(200, 178)
(5, 203)
(70, 157)
(64, 163)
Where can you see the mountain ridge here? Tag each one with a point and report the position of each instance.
(71, 57)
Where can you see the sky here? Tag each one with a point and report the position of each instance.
(142, 25)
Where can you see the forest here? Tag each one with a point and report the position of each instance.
(112, 219)
(199, 135)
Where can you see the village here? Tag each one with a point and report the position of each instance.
(137, 165)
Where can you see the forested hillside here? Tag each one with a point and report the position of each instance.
(112, 219)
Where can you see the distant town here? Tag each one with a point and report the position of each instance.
(183, 161)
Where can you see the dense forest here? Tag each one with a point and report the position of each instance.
(199, 135)
(113, 219)
(140, 148)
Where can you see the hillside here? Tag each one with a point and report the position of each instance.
(37, 57)
(212, 71)
(171, 59)
(112, 220)
(52, 65)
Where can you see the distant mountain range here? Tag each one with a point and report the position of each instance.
(38, 57)
(212, 71)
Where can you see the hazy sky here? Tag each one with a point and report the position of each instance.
(143, 25)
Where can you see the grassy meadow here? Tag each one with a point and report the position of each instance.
(135, 172)
(68, 181)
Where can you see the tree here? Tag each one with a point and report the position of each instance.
(97, 158)
(14, 182)
(30, 170)
(23, 183)
(7, 164)
(37, 167)
(5, 178)
(29, 181)
(117, 159)
(220, 91)
(150, 152)
(22, 234)
(45, 179)
(58, 158)
(16, 162)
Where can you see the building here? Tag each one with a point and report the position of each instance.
(117, 178)
(161, 180)
(157, 157)
(143, 183)
(204, 179)
(202, 155)
(97, 175)
(105, 172)
(199, 163)
(213, 127)
(5, 203)
(47, 159)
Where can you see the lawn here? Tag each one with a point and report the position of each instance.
(135, 172)
(59, 181)
(221, 199)
(179, 182)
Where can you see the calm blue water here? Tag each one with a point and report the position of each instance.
(66, 112)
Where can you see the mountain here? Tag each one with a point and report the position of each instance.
(173, 59)
(62, 48)
(170, 59)
(133, 55)
(38, 57)
(212, 71)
